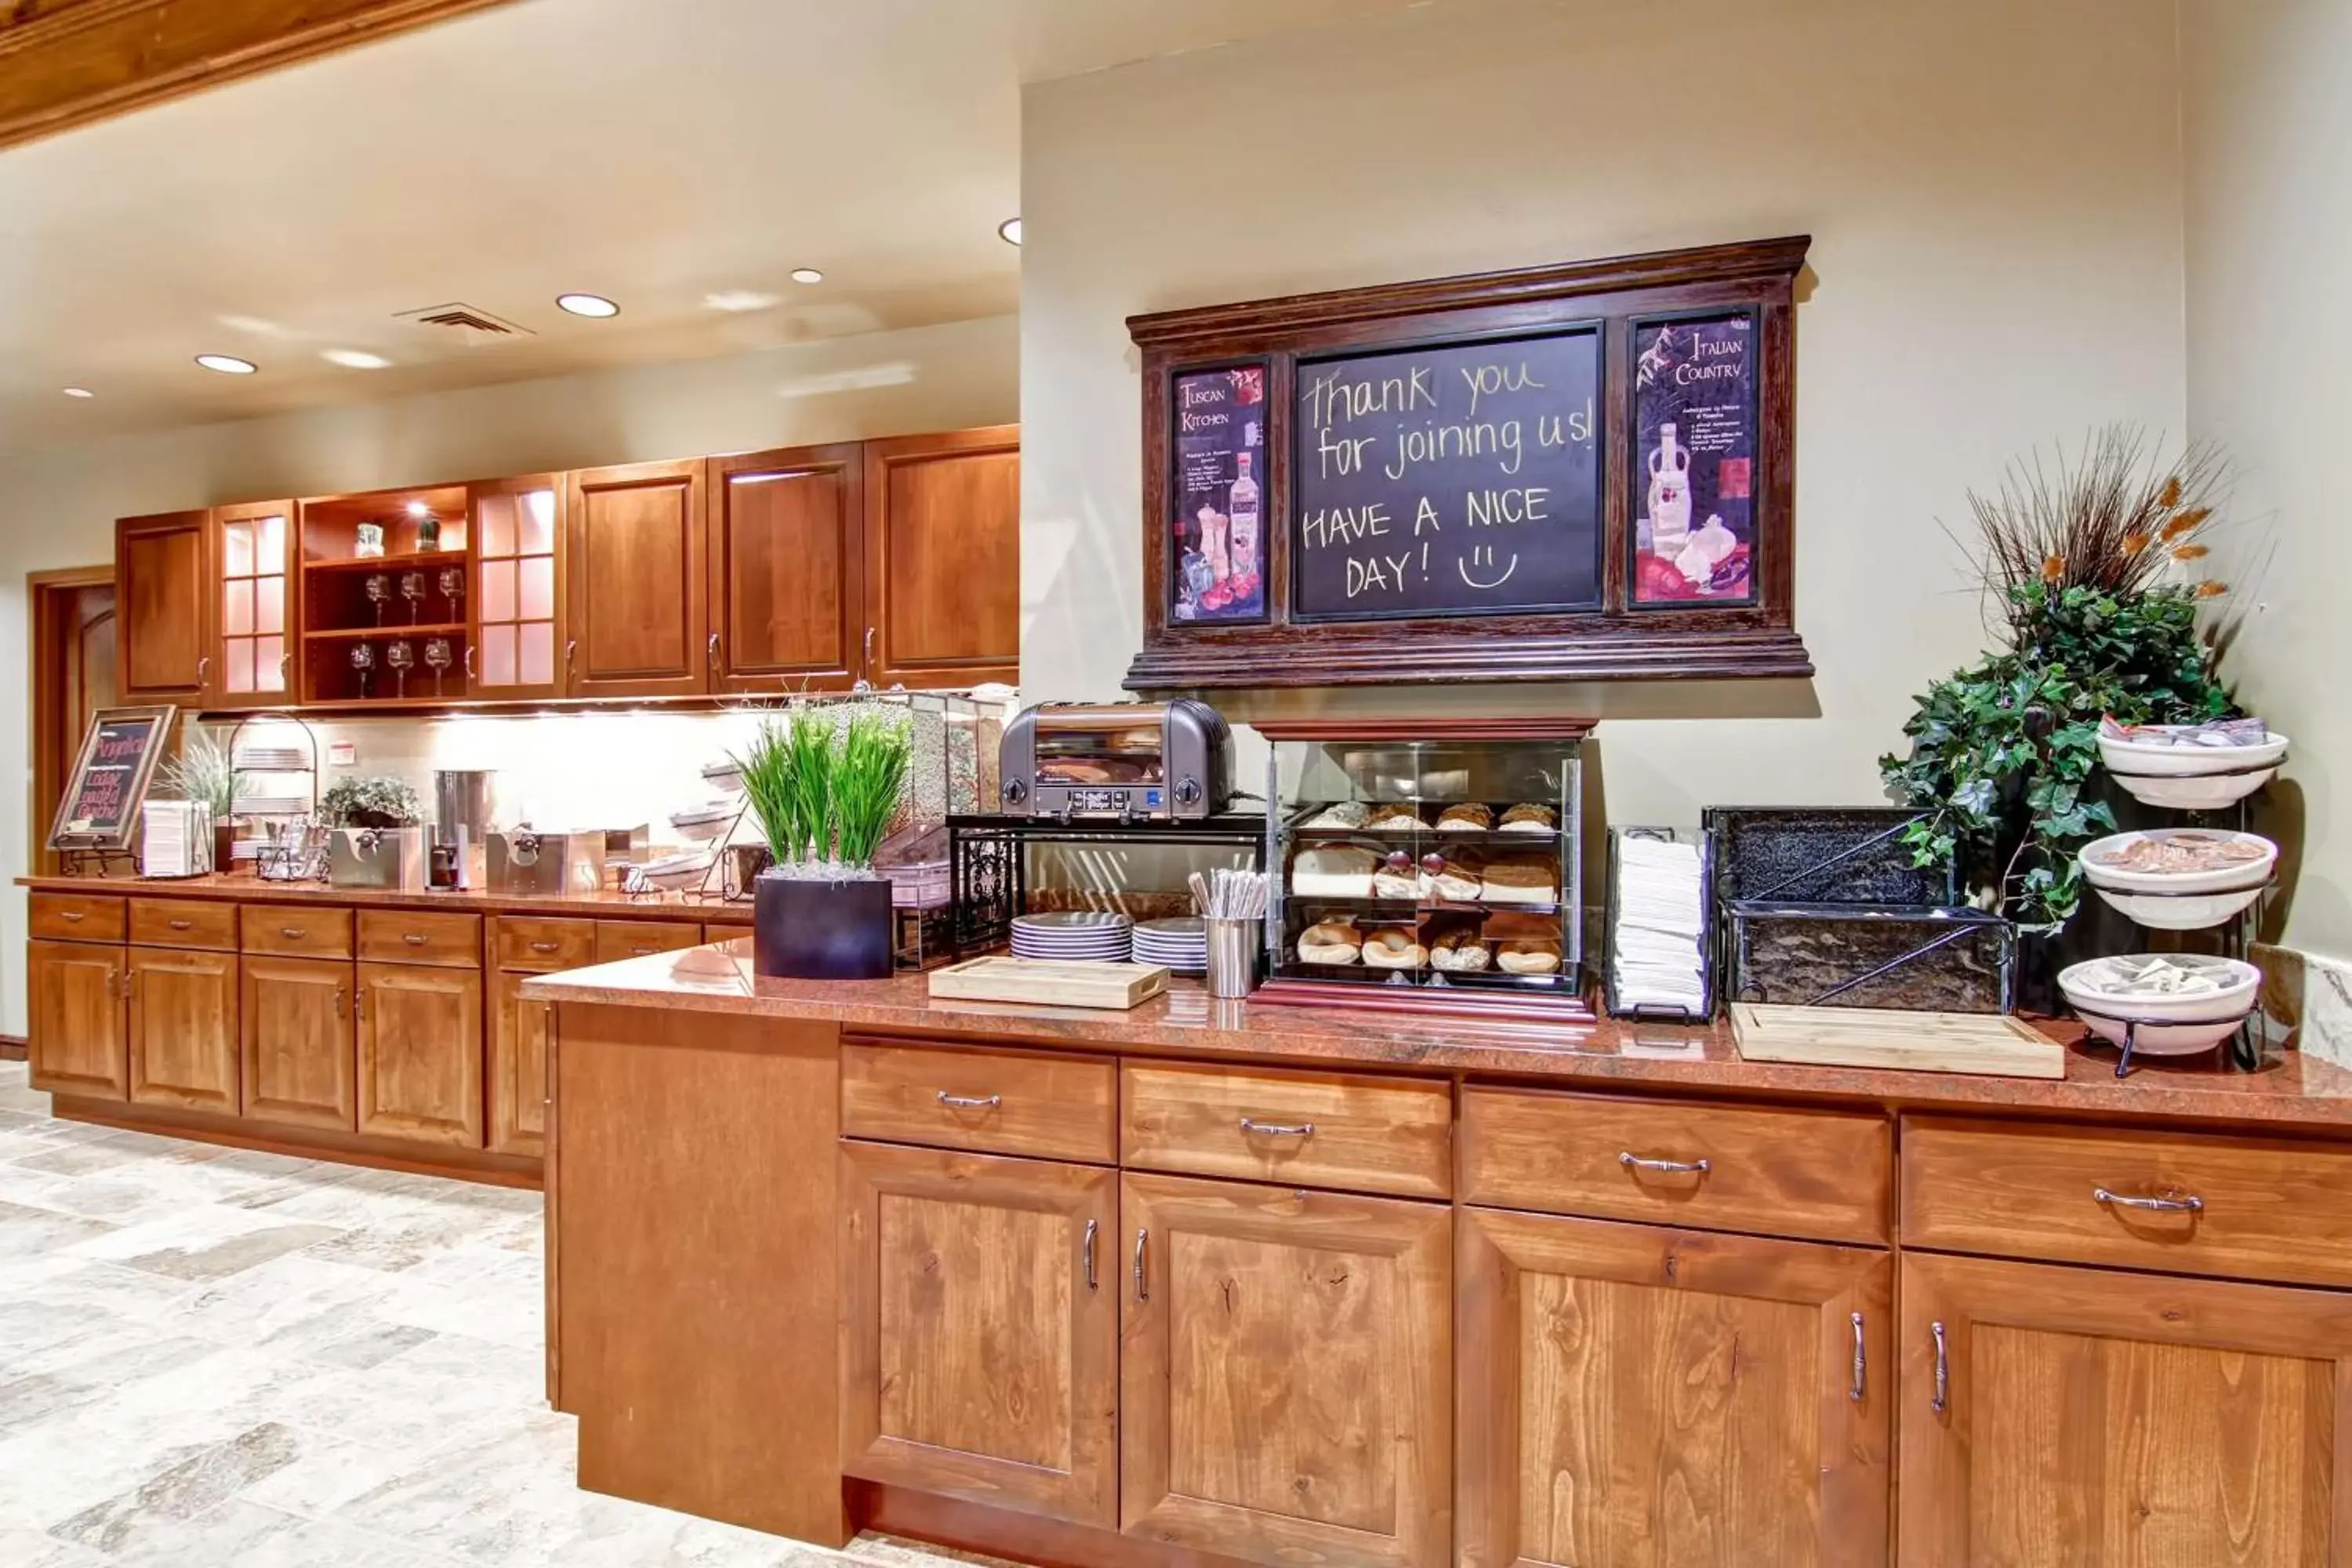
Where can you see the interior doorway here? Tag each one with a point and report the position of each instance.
(73, 677)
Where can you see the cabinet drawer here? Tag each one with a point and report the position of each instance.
(2242, 1206)
(295, 931)
(1001, 1103)
(1316, 1130)
(184, 922)
(617, 939)
(415, 936)
(1821, 1175)
(530, 944)
(77, 917)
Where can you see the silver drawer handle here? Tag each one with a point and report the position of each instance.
(1941, 1400)
(1861, 1367)
(181, 925)
(547, 947)
(292, 934)
(971, 1101)
(71, 917)
(1092, 1227)
(1277, 1130)
(1142, 1278)
(2184, 1203)
(412, 939)
(1633, 1162)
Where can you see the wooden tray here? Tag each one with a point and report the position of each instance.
(1883, 1037)
(1054, 983)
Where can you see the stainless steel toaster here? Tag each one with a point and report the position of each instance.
(1125, 760)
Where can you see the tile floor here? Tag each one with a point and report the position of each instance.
(215, 1357)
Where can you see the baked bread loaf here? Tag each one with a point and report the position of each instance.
(1394, 818)
(1394, 947)
(1333, 871)
(1460, 953)
(1520, 879)
(1451, 874)
(1332, 941)
(1398, 878)
(1341, 814)
(1529, 816)
(1469, 816)
(1528, 955)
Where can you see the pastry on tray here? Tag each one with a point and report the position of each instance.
(1528, 955)
(1460, 953)
(1332, 941)
(1394, 818)
(1344, 814)
(1529, 816)
(1520, 879)
(1469, 816)
(1397, 877)
(1333, 871)
(1451, 874)
(1394, 947)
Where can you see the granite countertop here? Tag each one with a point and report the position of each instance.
(2290, 1093)
(247, 887)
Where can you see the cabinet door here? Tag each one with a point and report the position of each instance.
(635, 576)
(163, 576)
(296, 1040)
(183, 1028)
(2078, 1417)
(1286, 1388)
(1634, 1396)
(980, 1338)
(253, 610)
(518, 1068)
(420, 1056)
(518, 613)
(787, 569)
(943, 558)
(76, 1036)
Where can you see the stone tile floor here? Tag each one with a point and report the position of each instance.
(209, 1356)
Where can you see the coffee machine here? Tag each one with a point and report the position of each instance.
(461, 828)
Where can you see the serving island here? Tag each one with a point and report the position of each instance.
(1213, 1282)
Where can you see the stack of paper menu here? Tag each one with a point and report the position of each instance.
(175, 839)
(1660, 922)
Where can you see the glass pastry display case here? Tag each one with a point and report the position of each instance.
(1428, 864)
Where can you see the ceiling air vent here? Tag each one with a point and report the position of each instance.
(473, 324)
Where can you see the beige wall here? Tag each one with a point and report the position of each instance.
(58, 507)
(2268, 130)
(1994, 192)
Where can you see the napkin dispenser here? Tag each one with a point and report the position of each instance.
(524, 860)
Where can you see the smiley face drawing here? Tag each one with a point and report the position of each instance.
(1483, 557)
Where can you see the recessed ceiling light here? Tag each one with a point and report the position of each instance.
(1009, 231)
(739, 300)
(228, 364)
(594, 305)
(355, 359)
(79, 392)
(807, 275)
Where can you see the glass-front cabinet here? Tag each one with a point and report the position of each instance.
(255, 657)
(1428, 864)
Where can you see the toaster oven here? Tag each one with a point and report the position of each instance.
(1166, 761)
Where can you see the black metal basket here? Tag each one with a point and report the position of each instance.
(1821, 854)
(1916, 957)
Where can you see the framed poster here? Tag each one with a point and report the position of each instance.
(1216, 501)
(1694, 477)
(100, 808)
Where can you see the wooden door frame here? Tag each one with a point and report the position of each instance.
(42, 590)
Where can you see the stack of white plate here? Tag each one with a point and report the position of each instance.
(1073, 935)
(1180, 944)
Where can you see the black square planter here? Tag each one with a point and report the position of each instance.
(805, 929)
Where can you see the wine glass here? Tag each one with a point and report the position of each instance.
(402, 659)
(412, 588)
(363, 660)
(437, 659)
(378, 592)
(452, 588)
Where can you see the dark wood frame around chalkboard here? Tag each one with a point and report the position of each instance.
(1615, 642)
(121, 840)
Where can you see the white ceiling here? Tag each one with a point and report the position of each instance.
(657, 153)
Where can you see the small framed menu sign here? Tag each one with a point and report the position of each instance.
(1569, 472)
(100, 808)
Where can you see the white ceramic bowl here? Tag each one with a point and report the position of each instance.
(2183, 1025)
(708, 822)
(677, 870)
(2200, 913)
(2192, 778)
(2103, 875)
(724, 775)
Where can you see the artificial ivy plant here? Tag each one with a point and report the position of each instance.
(2094, 567)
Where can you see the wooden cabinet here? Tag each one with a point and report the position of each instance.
(1052, 1104)
(1647, 1397)
(297, 1042)
(252, 614)
(1286, 1375)
(787, 558)
(518, 1067)
(942, 557)
(420, 1053)
(2073, 1417)
(1324, 1129)
(75, 1038)
(638, 603)
(183, 1028)
(163, 576)
(980, 1328)
(519, 611)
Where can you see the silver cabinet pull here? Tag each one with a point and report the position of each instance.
(714, 651)
(469, 661)
(1142, 1278)
(971, 1101)
(1861, 1366)
(71, 917)
(339, 1001)
(547, 947)
(1633, 1162)
(1088, 1251)
(181, 925)
(359, 1006)
(570, 648)
(2165, 1202)
(1277, 1130)
(412, 939)
(203, 668)
(292, 934)
(643, 951)
(1942, 1401)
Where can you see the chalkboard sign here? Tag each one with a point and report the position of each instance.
(100, 809)
(1450, 479)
